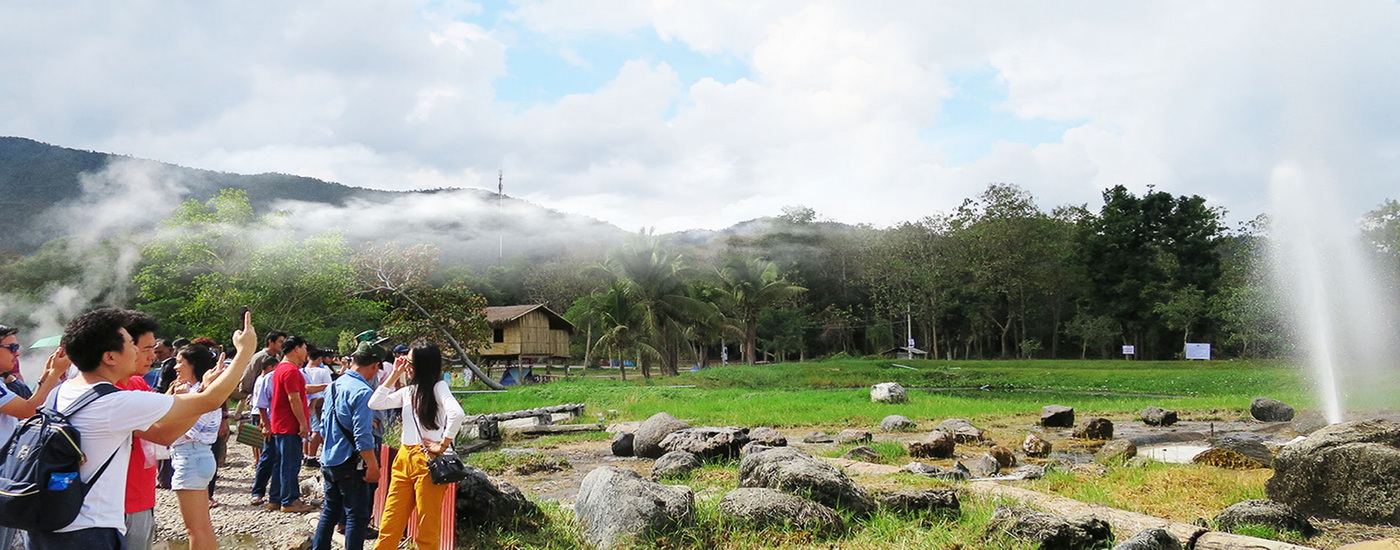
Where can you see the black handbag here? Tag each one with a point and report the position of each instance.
(443, 469)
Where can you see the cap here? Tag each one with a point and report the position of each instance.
(372, 349)
(400, 349)
(369, 336)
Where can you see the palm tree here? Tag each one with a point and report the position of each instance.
(615, 312)
(751, 286)
(658, 280)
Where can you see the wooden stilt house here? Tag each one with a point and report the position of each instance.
(527, 336)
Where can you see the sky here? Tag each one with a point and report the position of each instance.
(679, 114)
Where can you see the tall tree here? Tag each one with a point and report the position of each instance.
(659, 278)
(751, 287)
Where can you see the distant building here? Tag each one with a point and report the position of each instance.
(526, 335)
(907, 352)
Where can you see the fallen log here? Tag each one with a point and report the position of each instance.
(558, 429)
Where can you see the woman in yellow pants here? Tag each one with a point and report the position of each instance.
(431, 417)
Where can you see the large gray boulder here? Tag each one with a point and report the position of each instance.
(1052, 531)
(764, 508)
(1155, 538)
(793, 471)
(982, 466)
(707, 442)
(922, 500)
(622, 444)
(1118, 451)
(616, 505)
(646, 442)
(1347, 471)
(1264, 512)
(897, 423)
(888, 392)
(483, 500)
(674, 464)
(963, 430)
(854, 436)
(1095, 428)
(1057, 416)
(1265, 409)
(939, 444)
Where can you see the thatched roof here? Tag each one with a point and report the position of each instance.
(501, 315)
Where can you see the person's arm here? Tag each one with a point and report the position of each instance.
(54, 368)
(189, 406)
(362, 427)
(294, 398)
(316, 388)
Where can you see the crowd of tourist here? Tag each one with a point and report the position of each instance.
(183, 400)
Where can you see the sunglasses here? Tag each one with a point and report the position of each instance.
(14, 348)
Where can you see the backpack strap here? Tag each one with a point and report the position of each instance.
(93, 393)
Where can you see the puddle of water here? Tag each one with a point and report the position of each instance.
(1174, 454)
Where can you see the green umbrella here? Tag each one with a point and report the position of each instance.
(50, 342)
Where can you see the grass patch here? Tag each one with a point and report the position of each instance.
(1179, 492)
(891, 452)
(526, 463)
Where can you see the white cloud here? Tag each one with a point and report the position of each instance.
(1196, 98)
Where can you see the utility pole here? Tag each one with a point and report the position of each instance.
(500, 218)
(909, 328)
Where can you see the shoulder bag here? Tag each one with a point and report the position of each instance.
(446, 468)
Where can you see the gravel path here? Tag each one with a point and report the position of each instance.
(237, 522)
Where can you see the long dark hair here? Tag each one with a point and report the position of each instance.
(200, 358)
(427, 372)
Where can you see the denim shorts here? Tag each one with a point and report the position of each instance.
(194, 466)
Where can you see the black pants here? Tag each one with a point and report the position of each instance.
(93, 538)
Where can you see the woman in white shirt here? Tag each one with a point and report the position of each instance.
(192, 455)
(431, 419)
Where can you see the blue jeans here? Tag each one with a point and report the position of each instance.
(283, 488)
(264, 471)
(348, 500)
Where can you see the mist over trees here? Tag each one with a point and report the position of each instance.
(998, 277)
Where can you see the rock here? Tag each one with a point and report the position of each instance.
(888, 392)
(862, 453)
(793, 471)
(647, 442)
(1004, 456)
(1029, 471)
(294, 538)
(765, 508)
(1346, 471)
(1264, 409)
(957, 473)
(1155, 538)
(897, 423)
(616, 506)
(1247, 444)
(854, 436)
(922, 501)
(1095, 428)
(1225, 458)
(1118, 451)
(1053, 532)
(707, 442)
(312, 489)
(983, 466)
(767, 436)
(962, 430)
(1057, 416)
(754, 447)
(922, 469)
(938, 444)
(818, 437)
(675, 464)
(622, 444)
(1035, 446)
(1264, 512)
(484, 500)
(1157, 416)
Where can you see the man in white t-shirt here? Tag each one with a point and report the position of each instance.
(104, 353)
(317, 376)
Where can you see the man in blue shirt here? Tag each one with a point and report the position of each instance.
(348, 461)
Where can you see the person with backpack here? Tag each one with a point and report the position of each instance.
(348, 463)
(99, 346)
(13, 408)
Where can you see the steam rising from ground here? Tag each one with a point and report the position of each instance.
(122, 205)
(1339, 302)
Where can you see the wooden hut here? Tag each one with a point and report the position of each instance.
(525, 336)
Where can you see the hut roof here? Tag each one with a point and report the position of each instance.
(500, 315)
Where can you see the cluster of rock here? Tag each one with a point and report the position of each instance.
(1347, 471)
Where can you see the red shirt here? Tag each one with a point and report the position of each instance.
(287, 379)
(140, 480)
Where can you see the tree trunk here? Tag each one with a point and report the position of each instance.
(455, 345)
(750, 341)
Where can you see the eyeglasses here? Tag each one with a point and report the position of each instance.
(14, 348)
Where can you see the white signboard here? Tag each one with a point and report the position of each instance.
(1129, 350)
(911, 342)
(1198, 351)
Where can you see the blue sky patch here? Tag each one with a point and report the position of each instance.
(974, 119)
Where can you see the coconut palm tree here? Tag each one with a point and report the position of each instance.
(659, 284)
(617, 315)
(752, 285)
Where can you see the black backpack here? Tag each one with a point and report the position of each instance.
(40, 487)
